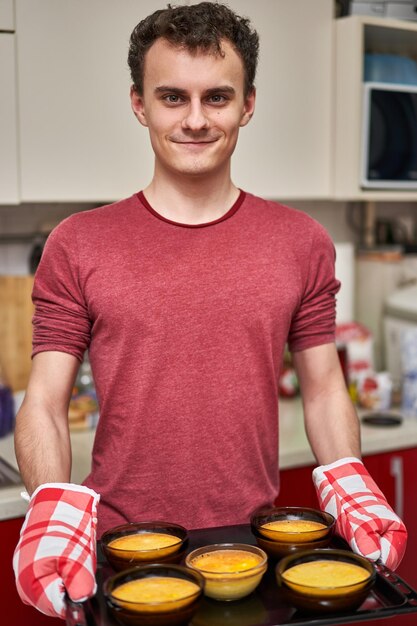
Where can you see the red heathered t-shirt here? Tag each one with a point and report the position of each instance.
(186, 328)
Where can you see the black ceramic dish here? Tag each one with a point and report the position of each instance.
(325, 599)
(167, 613)
(121, 559)
(276, 550)
(279, 544)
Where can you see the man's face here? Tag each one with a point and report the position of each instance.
(193, 106)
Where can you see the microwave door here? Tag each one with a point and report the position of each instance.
(390, 137)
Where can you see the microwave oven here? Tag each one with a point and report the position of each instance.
(389, 136)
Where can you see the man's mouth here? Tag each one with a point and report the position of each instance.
(196, 142)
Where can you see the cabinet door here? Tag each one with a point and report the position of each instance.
(79, 140)
(8, 123)
(395, 473)
(297, 488)
(285, 151)
(16, 613)
(7, 15)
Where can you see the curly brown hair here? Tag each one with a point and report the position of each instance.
(195, 27)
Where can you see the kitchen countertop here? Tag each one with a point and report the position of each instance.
(11, 503)
(294, 450)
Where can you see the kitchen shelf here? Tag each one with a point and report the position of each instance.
(355, 36)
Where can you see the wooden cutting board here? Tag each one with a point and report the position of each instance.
(16, 311)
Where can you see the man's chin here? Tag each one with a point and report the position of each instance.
(195, 169)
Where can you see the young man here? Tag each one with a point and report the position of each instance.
(185, 295)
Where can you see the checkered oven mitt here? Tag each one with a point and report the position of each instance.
(57, 547)
(363, 516)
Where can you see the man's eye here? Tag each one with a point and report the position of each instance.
(217, 99)
(172, 98)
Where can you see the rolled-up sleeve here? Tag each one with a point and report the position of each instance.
(314, 321)
(61, 321)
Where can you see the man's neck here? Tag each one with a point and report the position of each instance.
(189, 200)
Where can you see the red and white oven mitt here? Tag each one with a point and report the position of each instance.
(56, 551)
(363, 516)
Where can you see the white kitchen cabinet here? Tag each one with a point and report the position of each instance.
(9, 193)
(7, 15)
(79, 140)
(285, 151)
(355, 36)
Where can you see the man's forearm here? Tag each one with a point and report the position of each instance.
(331, 422)
(42, 445)
(332, 426)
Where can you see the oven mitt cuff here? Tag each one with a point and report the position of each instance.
(56, 551)
(363, 516)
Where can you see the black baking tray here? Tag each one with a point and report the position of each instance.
(264, 607)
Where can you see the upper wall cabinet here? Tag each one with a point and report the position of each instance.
(7, 15)
(79, 140)
(285, 151)
(9, 192)
(355, 37)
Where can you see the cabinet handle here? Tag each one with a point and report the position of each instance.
(397, 472)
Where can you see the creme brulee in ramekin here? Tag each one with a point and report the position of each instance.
(287, 529)
(231, 570)
(155, 594)
(315, 576)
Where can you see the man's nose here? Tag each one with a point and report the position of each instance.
(195, 118)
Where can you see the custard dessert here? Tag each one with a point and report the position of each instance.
(230, 573)
(294, 525)
(144, 541)
(286, 529)
(325, 575)
(155, 591)
(226, 561)
(144, 545)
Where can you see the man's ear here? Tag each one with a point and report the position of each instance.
(138, 107)
(248, 107)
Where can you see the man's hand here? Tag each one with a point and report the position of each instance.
(363, 516)
(56, 551)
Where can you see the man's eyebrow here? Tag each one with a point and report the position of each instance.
(168, 89)
(182, 92)
(221, 89)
